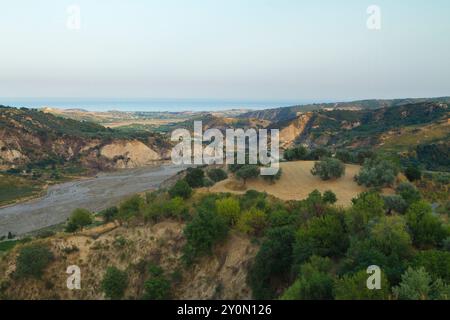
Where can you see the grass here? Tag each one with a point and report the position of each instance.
(13, 188)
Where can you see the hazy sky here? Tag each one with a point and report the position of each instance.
(225, 49)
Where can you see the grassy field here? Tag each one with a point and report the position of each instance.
(13, 188)
(297, 183)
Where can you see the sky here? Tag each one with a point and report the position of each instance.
(225, 49)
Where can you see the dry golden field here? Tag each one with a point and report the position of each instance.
(297, 182)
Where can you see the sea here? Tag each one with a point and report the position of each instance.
(148, 105)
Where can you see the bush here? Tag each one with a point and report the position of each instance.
(181, 189)
(413, 173)
(408, 192)
(79, 219)
(377, 173)
(217, 175)
(344, 155)
(114, 283)
(252, 222)
(367, 207)
(296, 153)
(329, 197)
(131, 208)
(273, 261)
(194, 177)
(32, 260)
(314, 282)
(109, 214)
(395, 203)
(229, 208)
(321, 236)
(205, 230)
(247, 172)
(328, 169)
(435, 262)
(158, 286)
(426, 229)
(354, 287)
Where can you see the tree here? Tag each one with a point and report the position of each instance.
(273, 260)
(217, 175)
(377, 173)
(181, 189)
(109, 214)
(314, 281)
(247, 172)
(252, 222)
(408, 192)
(130, 208)
(354, 287)
(32, 260)
(329, 197)
(114, 283)
(79, 219)
(229, 208)
(205, 230)
(395, 203)
(328, 169)
(296, 153)
(368, 206)
(435, 262)
(426, 229)
(194, 177)
(418, 285)
(344, 155)
(322, 236)
(413, 173)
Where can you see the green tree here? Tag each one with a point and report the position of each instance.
(130, 208)
(205, 230)
(109, 214)
(344, 155)
(314, 282)
(395, 203)
(229, 208)
(329, 197)
(426, 229)
(32, 260)
(377, 173)
(247, 172)
(194, 177)
(354, 287)
(435, 262)
(79, 219)
(328, 168)
(296, 153)
(252, 222)
(273, 261)
(114, 283)
(408, 192)
(322, 236)
(181, 189)
(413, 173)
(157, 287)
(418, 285)
(217, 175)
(368, 206)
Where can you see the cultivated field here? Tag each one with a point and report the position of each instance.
(297, 182)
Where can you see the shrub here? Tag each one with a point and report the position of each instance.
(408, 192)
(413, 173)
(368, 206)
(79, 219)
(194, 177)
(321, 236)
(296, 153)
(435, 262)
(377, 173)
(114, 283)
(32, 260)
(158, 286)
(229, 208)
(344, 155)
(109, 214)
(131, 208)
(273, 261)
(181, 189)
(329, 197)
(247, 172)
(217, 175)
(314, 282)
(328, 169)
(395, 203)
(354, 287)
(205, 230)
(426, 229)
(252, 222)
